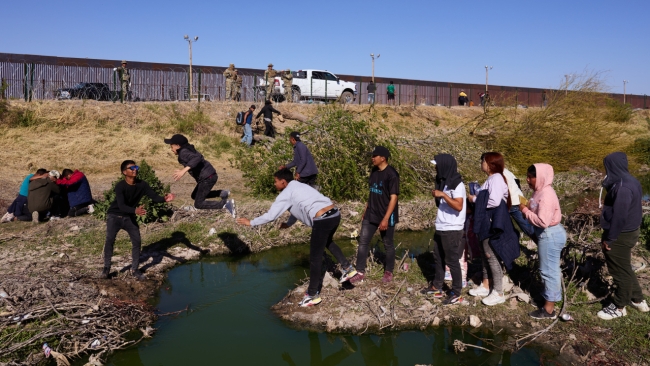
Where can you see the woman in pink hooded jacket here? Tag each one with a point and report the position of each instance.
(543, 211)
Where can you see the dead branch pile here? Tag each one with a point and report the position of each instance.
(72, 317)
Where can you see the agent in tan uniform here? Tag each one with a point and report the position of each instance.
(237, 89)
(269, 77)
(230, 76)
(287, 79)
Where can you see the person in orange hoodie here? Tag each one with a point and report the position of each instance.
(543, 211)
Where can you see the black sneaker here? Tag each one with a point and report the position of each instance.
(105, 273)
(138, 275)
(430, 290)
(452, 299)
(542, 314)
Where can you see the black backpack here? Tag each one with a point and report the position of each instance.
(240, 118)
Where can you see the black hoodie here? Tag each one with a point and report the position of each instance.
(200, 169)
(622, 210)
(447, 173)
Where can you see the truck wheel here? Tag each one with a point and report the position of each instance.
(346, 98)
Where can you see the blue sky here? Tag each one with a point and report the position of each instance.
(529, 43)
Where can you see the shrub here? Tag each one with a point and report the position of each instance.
(645, 231)
(155, 211)
(571, 131)
(194, 121)
(340, 145)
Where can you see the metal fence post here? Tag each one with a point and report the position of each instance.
(2, 89)
(399, 94)
(360, 90)
(326, 82)
(189, 86)
(199, 92)
(114, 85)
(415, 97)
(644, 101)
(254, 85)
(449, 95)
(311, 88)
(25, 83)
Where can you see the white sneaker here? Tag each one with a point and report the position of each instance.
(611, 312)
(641, 306)
(230, 207)
(479, 291)
(91, 209)
(493, 299)
(7, 217)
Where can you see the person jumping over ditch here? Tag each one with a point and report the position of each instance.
(203, 173)
(121, 215)
(314, 210)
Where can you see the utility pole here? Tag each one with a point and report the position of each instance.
(189, 41)
(487, 68)
(373, 65)
(624, 89)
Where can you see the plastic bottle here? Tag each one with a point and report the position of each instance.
(47, 350)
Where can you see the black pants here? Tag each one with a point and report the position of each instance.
(269, 131)
(447, 250)
(322, 235)
(79, 210)
(619, 265)
(310, 180)
(204, 190)
(367, 231)
(114, 224)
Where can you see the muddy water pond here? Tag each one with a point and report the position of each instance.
(230, 322)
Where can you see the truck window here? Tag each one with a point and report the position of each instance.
(329, 76)
(317, 75)
(299, 74)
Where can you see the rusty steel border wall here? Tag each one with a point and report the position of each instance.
(38, 77)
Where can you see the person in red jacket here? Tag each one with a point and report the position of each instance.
(78, 191)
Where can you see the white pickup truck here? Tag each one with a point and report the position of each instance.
(312, 84)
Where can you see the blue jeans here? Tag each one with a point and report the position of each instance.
(521, 221)
(371, 98)
(550, 242)
(248, 134)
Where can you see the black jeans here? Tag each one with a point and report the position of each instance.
(367, 231)
(309, 180)
(269, 131)
(322, 234)
(204, 190)
(114, 224)
(619, 265)
(447, 250)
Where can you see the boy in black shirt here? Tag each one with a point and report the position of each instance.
(121, 215)
(381, 213)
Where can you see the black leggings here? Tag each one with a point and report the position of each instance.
(204, 190)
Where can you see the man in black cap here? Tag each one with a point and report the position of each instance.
(268, 111)
(306, 171)
(203, 172)
(381, 213)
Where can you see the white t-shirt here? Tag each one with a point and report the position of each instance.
(447, 218)
(515, 192)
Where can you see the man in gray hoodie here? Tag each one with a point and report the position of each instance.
(314, 210)
(621, 220)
